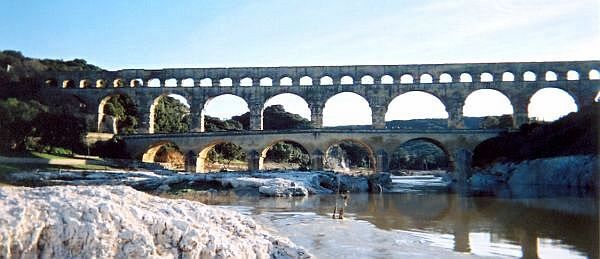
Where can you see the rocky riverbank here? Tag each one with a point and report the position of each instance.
(118, 221)
(264, 183)
(576, 172)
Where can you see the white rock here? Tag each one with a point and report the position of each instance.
(120, 222)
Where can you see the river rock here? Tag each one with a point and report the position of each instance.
(120, 222)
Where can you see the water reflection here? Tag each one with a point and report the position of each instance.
(479, 225)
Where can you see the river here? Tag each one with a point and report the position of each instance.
(421, 219)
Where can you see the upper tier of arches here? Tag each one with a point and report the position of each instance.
(330, 75)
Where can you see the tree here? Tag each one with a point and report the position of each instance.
(125, 111)
(171, 116)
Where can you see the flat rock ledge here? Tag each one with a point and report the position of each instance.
(120, 222)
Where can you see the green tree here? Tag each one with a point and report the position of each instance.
(171, 116)
(125, 112)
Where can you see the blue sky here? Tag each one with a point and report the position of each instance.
(159, 34)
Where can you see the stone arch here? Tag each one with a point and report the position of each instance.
(154, 82)
(594, 74)
(387, 80)
(413, 99)
(152, 120)
(407, 79)
(479, 103)
(286, 81)
(187, 82)
(529, 76)
(171, 82)
(449, 160)
(306, 80)
(100, 83)
(426, 79)
(225, 82)
(572, 75)
(508, 76)
(465, 78)
(103, 125)
(150, 155)
(445, 78)
(268, 147)
(201, 165)
(85, 83)
(346, 80)
(326, 80)
(370, 153)
(359, 108)
(206, 82)
(68, 84)
(266, 81)
(138, 82)
(118, 83)
(551, 76)
(367, 80)
(486, 77)
(556, 103)
(246, 81)
(299, 102)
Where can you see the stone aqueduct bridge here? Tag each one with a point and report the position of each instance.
(378, 84)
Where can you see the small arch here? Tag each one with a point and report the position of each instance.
(188, 82)
(172, 82)
(306, 80)
(285, 81)
(426, 79)
(266, 81)
(206, 82)
(51, 82)
(118, 83)
(347, 80)
(445, 78)
(420, 154)
(486, 77)
(68, 84)
(85, 83)
(138, 82)
(284, 154)
(551, 76)
(350, 156)
(594, 74)
(247, 81)
(549, 104)
(154, 82)
(466, 78)
(387, 80)
(167, 154)
(508, 77)
(529, 76)
(572, 75)
(221, 156)
(406, 79)
(225, 82)
(100, 83)
(326, 80)
(367, 80)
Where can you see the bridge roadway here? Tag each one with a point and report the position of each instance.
(379, 143)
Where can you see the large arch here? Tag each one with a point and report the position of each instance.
(492, 104)
(416, 105)
(155, 105)
(223, 106)
(291, 103)
(339, 106)
(297, 161)
(167, 154)
(424, 154)
(549, 104)
(342, 165)
(203, 166)
(113, 126)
